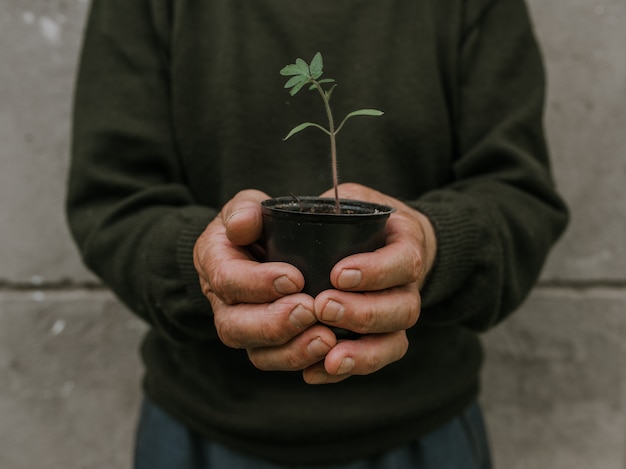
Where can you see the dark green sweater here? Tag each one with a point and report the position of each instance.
(179, 105)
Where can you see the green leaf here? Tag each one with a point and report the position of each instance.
(303, 67)
(291, 69)
(298, 86)
(303, 126)
(365, 112)
(295, 80)
(317, 66)
(360, 112)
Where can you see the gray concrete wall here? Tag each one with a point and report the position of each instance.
(555, 378)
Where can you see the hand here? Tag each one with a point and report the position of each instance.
(377, 293)
(257, 306)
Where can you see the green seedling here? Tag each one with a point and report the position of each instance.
(303, 74)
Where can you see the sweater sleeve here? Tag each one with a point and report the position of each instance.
(128, 207)
(497, 220)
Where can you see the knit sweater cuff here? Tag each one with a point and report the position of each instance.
(457, 237)
(197, 219)
(172, 295)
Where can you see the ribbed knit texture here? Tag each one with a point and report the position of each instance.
(179, 105)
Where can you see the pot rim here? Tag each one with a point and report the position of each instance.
(289, 206)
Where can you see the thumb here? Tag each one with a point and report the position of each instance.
(242, 217)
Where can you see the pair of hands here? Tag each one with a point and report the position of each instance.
(258, 306)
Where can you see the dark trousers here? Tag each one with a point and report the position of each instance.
(163, 443)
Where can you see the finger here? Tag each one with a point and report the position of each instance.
(307, 348)
(262, 325)
(243, 281)
(317, 374)
(231, 273)
(364, 356)
(242, 217)
(400, 261)
(370, 313)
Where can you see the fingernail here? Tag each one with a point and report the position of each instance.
(234, 215)
(317, 348)
(284, 286)
(347, 365)
(332, 312)
(301, 317)
(349, 278)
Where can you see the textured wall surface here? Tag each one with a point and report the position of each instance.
(555, 377)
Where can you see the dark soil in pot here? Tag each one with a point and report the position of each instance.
(307, 233)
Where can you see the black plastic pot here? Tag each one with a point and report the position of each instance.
(307, 233)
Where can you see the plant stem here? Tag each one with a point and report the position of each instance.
(333, 143)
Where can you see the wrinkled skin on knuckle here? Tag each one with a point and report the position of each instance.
(415, 256)
(415, 307)
(272, 334)
(219, 284)
(368, 320)
(227, 334)
(416, 263)
(295, 362)
(205, 287)
(292, 363)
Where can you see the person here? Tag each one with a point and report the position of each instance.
(178, 124)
